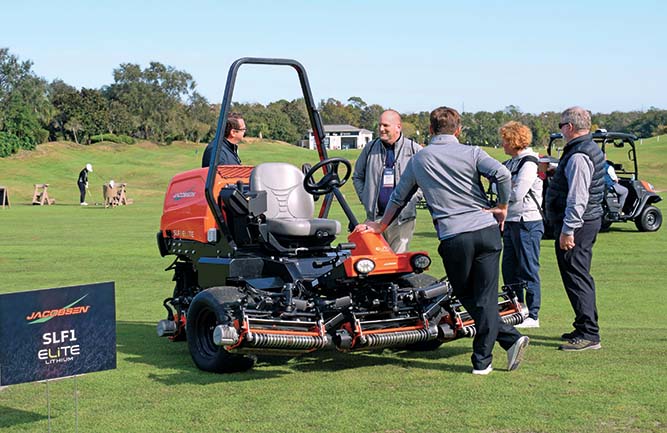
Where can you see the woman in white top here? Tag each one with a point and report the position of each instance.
(523, 227)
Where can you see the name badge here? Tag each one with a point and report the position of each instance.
(388, 177)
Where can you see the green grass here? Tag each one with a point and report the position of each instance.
(620, 388)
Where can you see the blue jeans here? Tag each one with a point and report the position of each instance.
(521, 260)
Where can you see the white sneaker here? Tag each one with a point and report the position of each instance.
(484, 372)
(516, 352)
(84, 204)
(529, 323)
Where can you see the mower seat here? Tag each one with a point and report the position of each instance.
(289, 208)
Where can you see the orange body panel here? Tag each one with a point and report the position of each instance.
(373, 246)
(647, 186)
(185, 212)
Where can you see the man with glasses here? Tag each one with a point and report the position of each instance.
(229, 145)
(574, 205)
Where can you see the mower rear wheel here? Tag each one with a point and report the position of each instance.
(650, 219)
(419, 281)
(207, 310)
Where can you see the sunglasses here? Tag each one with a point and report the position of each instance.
(561, 124)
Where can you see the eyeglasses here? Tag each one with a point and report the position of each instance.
(239, 129)
(560, 125)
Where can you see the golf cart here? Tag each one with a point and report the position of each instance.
(638, 206)
(256, 274)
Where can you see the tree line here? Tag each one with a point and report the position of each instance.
(160, 103)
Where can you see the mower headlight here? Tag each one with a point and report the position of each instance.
(420, 262)
(364, 266)
(212, 236)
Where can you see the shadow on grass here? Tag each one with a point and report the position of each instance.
(172, 360)
(336, 361)
(138, 340)
(430, 233)
(10, 417)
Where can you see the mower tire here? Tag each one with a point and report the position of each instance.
(207, 310)
(650, 219)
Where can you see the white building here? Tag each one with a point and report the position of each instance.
(340, 137)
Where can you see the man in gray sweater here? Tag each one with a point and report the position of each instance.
(448, 174)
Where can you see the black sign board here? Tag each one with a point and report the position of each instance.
(51, 333)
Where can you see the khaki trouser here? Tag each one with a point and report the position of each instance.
(398, 236)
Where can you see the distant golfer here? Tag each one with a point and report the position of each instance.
(83, 183)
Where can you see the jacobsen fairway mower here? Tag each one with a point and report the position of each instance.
(256, 274)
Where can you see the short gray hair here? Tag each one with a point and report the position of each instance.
(578, 117)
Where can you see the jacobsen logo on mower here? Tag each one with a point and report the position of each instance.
(185, 194)
(68, 310)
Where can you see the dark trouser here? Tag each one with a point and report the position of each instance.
(575, 271)
(521, 260)
(82, 191)
(471, 262)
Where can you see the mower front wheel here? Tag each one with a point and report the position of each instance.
(207, 310)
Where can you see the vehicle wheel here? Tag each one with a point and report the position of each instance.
(209, 309)
(650, 219)
(419, 281)
(606, 225)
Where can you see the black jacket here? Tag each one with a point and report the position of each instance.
(228, 154)
(83, 176)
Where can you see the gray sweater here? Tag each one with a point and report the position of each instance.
(523, 206)
(448, 174)
(368, 175)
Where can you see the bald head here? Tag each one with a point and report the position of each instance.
(390, 126)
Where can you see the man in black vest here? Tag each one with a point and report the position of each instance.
(574, 206)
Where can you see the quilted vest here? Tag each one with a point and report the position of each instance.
(556, 198)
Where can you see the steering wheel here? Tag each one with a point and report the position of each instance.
(330, 180)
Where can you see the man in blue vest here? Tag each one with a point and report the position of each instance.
(574, 206)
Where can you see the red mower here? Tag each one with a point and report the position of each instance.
(256, 274)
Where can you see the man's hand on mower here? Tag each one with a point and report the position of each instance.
(369, 226)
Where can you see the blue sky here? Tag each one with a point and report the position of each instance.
(409, 55)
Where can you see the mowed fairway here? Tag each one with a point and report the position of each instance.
(621, 388)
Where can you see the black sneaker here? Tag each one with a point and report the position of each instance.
(569, 336)
(578, 344)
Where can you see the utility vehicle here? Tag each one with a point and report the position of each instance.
(256, 274)
(639, 205)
